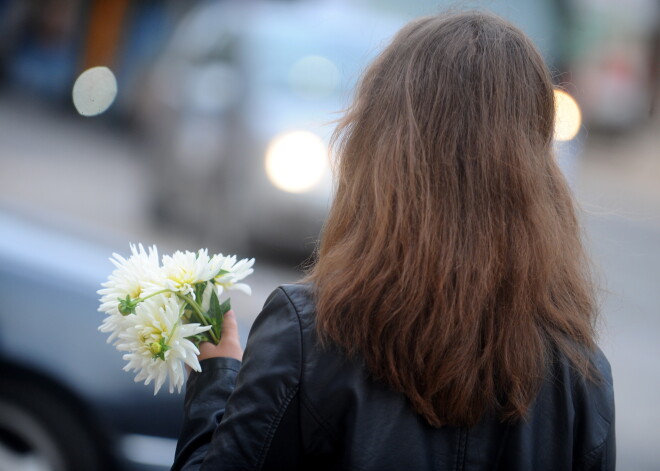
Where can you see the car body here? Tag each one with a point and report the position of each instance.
(65, 403)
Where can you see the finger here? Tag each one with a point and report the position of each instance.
(230, 326)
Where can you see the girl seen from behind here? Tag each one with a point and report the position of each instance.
(448, 322)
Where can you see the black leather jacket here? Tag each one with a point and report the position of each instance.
(292, 405)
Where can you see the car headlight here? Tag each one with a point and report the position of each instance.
(568, 117)
(296, 161)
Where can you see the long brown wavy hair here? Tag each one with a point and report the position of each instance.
(451, 260)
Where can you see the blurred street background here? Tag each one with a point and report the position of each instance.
(217, 138)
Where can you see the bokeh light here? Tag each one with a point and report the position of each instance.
(94, 91)
(296, 161)
(568, 117)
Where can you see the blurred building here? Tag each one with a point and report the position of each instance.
(46, 44)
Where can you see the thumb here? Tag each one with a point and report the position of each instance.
(229, 346)
(230, 327)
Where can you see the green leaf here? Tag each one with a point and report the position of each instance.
(199, 292)
(217, 313)
(225, 307)
(199, 338)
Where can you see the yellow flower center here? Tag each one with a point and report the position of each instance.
(137, 291)
(183, 277)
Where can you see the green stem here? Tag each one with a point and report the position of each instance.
(139, 300)
(197, 310)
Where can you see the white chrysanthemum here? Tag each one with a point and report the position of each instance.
(133, 277)
(232, 272)
(183, 270)
(130, 277)
(157, 344)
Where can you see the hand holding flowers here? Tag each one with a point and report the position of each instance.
(230, 343)
(159, 312)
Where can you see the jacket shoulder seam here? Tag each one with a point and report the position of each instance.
(305, 400)
(300, 337)
(272, 427)
(590, 455)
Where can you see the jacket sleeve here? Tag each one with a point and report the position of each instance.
(247, 419)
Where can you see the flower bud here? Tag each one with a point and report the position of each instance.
(155, 348)
(158, 349)
(127, 306)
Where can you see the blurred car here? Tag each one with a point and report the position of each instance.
(239, 110)
(616, 64)
(65, 403)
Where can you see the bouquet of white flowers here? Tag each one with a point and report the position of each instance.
(159, 311)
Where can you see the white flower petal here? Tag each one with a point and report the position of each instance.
(235, 271)
(242, 287)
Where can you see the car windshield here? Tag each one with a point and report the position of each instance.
(314, 66)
